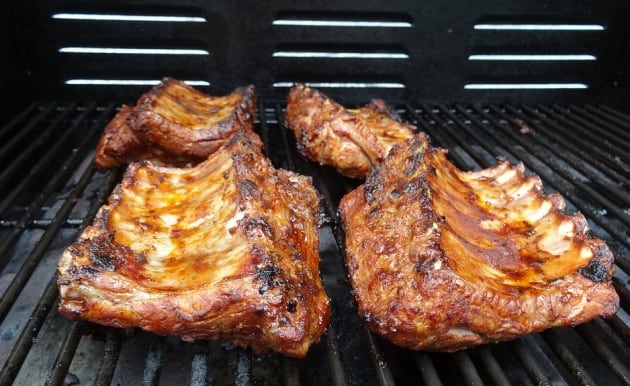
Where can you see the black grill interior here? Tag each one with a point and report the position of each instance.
(492, 51)
(50, 191)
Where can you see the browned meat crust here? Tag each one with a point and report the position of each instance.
(442, 259)
(350, 140)
(176, 124)
(225, 249)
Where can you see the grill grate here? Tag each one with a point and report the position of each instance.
(49, 191)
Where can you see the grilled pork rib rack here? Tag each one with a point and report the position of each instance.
(225, 249)
(442, 259)
(176, 124)
(350, 140)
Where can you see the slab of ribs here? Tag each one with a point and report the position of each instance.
(227, 248)
(349, 140)
(176, 124)
(442, 259)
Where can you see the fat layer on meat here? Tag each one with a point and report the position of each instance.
(176, 124)
(442, 259)
(224, 249)
(349, 140)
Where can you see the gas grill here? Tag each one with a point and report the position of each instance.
(567, 120)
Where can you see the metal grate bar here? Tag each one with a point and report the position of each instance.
(622, 290)
(612, 337)
(45, 160)
(10, 127)
(153, 364)
(610, 128)
(199, 370)
(31, 328)
(427, 369)
(65, 355)
(28, 152)
(27, 268)
(291, 371)
(34, 173)
(383, 373)
(530, 364)
(607, 133)
(494, 370)
(243, 368)
(599, 345)
(618, 324)
(600, 146)
(290, 162)
(20, 350)
(569, 360)
(467, 368)
(578, 145)
(333, 352)
(619, 122)
(589, 133)
(25, 132)
(111, 352)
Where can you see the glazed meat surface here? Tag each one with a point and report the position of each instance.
(349, 140)
(442, 259)
(224, 249)
(176, 124)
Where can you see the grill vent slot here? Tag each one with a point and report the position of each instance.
(539, 27)
(130, 47)
(344, 19)
(127, 17)
(352, 50)
(533, 55)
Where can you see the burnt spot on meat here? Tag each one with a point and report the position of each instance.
(431, 258)
(257, 227)
(85, 271)
(102, 258)
(414, 162)
(267, 272)
(75, 250)
(599, 267)
(270, 276)
(410, 187)
(248, 189)
(373, 184)
(292, 305)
